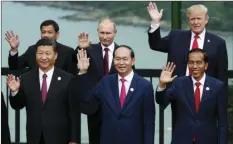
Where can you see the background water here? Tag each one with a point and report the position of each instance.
(26, 21)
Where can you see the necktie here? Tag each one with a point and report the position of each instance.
(123, 92)
(44, 88)
(106, 61)
(194, 46)
(197, 96)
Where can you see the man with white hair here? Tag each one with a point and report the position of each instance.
(179, 42)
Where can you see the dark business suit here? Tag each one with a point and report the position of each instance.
(177, 45)
(56, 119)
(95, 73)
(5, 132)
(132, 124)
(209, 125)
(28, 59)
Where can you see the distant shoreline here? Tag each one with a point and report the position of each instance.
(93, 14)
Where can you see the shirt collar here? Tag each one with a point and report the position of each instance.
(201, 35)
(202, 80)
(110, 47)
(128, 78)
(49, 73)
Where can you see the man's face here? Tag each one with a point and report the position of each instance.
(106, 33)
(197, 21)
(45, 57)
(123, 61)
(49, 31)
(196, 65)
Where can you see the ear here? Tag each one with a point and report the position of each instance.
(57, 34)
(206, 66)
(56, 55)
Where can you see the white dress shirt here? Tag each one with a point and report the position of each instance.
(110, 53)
(127, 83)
(202, 81)
(48, 79)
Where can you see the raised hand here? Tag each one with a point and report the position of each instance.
(166, 74)
(83, 61)
(83, 41)
(154, 13)
(13, 83)
(13, 40)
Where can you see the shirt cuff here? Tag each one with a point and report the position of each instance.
(159, 89)
(14, 93)
(13, 53)
(153, 27)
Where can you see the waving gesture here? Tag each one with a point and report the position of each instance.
(13, 40)
(83, 61)
(13, 83)
(83, 41)
(154, 13)
(166, 75)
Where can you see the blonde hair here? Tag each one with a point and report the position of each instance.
(107, 20)
(198, 7)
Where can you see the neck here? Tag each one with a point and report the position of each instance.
(45, 70)
(125, 74)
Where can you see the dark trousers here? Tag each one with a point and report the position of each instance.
(42, 139)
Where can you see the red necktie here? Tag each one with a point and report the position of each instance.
(44, 88)
(123, 92)
(197, 96)
(106, 61)
(194, 46)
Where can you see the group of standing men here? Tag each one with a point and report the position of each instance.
(99, 80)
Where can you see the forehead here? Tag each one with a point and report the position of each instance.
(48, 27)
(122, 52)
(197, 13)
(196, 56)
(106, 26)
(45, 48)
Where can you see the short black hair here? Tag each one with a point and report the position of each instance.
(46, 42)
(50, 22)
(125, 46)
(200, 51)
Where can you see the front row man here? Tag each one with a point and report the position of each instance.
(201, 103)
(127, 99)
(51, 112)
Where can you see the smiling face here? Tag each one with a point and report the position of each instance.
(123, 61)
(197, 18)
(197, 65)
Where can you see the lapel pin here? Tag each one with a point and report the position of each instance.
(131, 89)
(59, 78)
(207, 88)
(208, 40)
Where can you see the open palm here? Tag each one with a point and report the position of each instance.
(13, 83)
(12, 39)
(83, 61)
(166, 74)
(83, 41)
(154, 13)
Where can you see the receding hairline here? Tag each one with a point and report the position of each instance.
(109, 21)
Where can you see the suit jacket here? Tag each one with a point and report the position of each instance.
(177, 45)
(57, 117)
(209, 125)
(5, 134)
(95, 73)
(132, 124)
(28, 59)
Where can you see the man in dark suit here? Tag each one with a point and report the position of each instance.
(48, 28)
(179, 42)
(5, 132)
(51, 111)
(128, 109)
(201, 103)
(101, 64)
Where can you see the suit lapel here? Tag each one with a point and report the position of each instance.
(207, 43)
(206, 93)
(190, 94)
(112, 69)
(115, 94)
(97, 55)
(186, 44)
(53, 88)
(36, 86)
